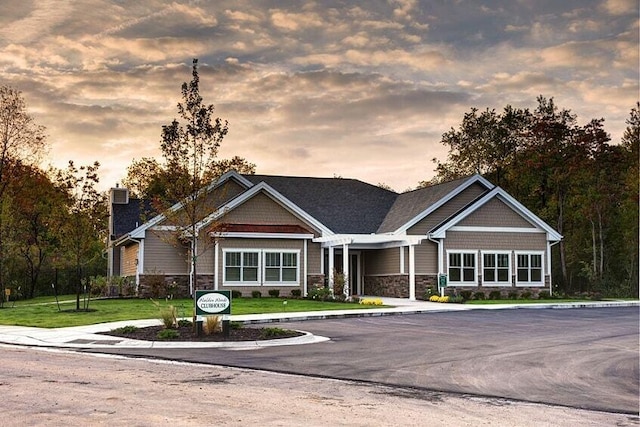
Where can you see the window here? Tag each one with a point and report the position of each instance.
(496, 268)
(259, 267)
(462, 268)
(280, 267)
(529, 269)
(241, 266)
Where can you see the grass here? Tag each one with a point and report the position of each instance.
(43, 311)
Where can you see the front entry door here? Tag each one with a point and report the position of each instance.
(355, 287)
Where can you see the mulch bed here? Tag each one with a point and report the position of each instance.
(187, 333)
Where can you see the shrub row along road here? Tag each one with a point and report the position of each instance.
(580, 358)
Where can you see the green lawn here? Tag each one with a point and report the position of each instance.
(529, 301)
(43, 311)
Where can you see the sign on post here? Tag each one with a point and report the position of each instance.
(442, 281)
(213, 302)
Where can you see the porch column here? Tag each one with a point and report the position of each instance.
(216, 266)
(345, 268)
(306, 268)
(331, 268)
(412, 272)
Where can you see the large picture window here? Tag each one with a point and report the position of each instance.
(529, 269)
(496, 268)
(462, 268)
(258, 267)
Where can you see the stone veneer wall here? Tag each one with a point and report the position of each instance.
(397, 285)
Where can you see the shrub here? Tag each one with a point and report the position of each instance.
(525, 295)
(184, 323)
(434, 298)
(466, 294)
(355, 299)
(479, 295)
(339, 282)
(274, 293)
(168, 314)
(495, 295)
(544, 295)
(513, 295)
(157, 286)
(236, 325)
(126, 329)
(458, 299)
(320, 293)
(256, 294)
(168, 334)
(296, 293)
(212, 324)
(371, 301)
(236, 294)
(274, 332)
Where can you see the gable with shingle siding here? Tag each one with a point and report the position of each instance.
(448, 209)
(495, 213)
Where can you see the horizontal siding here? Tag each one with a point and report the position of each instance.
(447, 210)
(495, 213)
(426, 258)
(504, 241)
(129, 257)
(314, 253)
(384, 261)
(163, 257)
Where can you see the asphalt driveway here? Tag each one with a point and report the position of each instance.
(582, 358)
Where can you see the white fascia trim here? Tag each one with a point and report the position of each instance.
(476, 229)
(372, 241)
(552, 235)
(139, 232)
(271, 192)
(474, 179)
(240, 235)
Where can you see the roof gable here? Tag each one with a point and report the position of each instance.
(412, 207)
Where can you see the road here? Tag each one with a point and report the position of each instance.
(578, 358)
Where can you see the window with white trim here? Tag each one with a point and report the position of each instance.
(529, 269)
(259, 267)
(280, 267)
(462, 268)
(241, 266)
(496, 268)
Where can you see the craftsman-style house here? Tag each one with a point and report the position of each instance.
(276, 232)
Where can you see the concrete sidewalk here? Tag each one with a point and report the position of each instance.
(89, 337)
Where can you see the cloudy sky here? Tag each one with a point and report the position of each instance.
(360, 89)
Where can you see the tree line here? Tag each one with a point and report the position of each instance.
(54, 222)
(571, 176)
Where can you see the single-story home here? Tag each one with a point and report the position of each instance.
(267, 232)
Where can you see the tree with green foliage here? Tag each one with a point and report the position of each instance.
(567, 174)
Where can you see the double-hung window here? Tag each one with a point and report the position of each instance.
(280, 267)
(462, 268)
(241, 267)
(496, 268)
(529, 269)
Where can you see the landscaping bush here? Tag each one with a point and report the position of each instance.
(320, 293)
(256, 294)
(525, 295)
(167, 334)
(495, 295)
(236, 325)
(296, 293)
(544, 295)
(479, 295)
(156, 285)
(168, 314)
(513, 295)
(184, 323)
(274, 293)
(466, 295)
(126, 329)
(371, 301)
(355, 299)
(434, 298)
(212, 324)
(458, 299)
(236, 294)
(273, 332)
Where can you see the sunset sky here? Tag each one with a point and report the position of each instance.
(360, 89)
